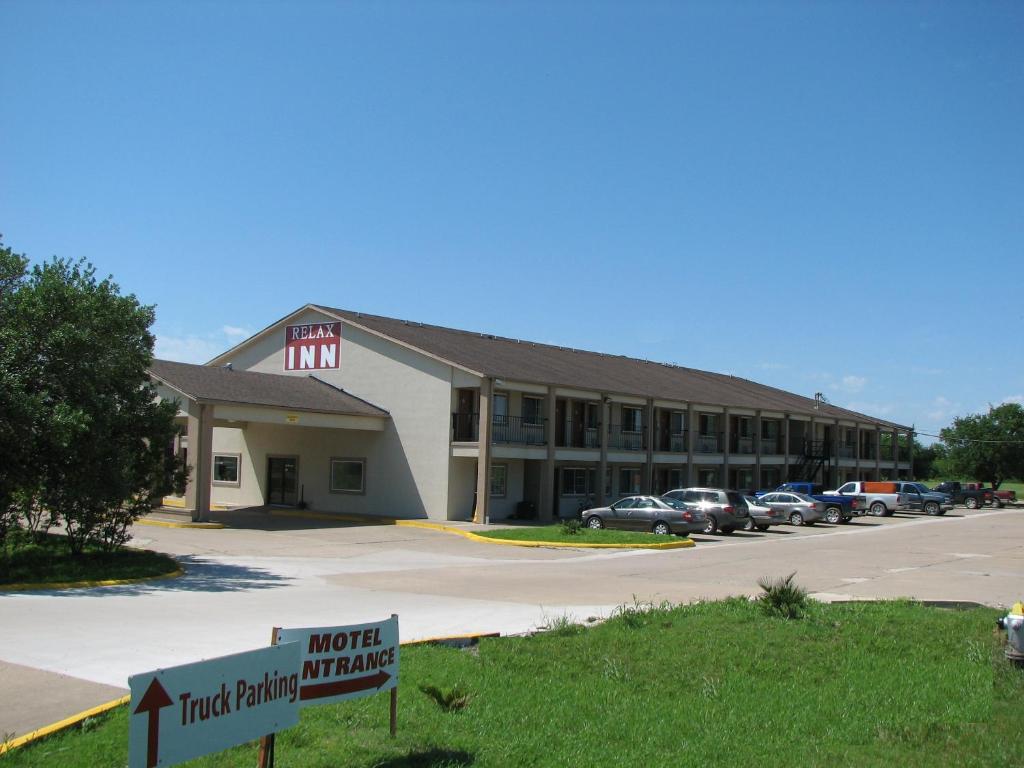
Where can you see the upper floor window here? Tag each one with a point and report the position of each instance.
(500, 408)
(533, 408)
(632, 419)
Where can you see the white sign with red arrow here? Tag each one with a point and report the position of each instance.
(183, 712)
(345, 662)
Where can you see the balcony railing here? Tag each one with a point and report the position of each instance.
(516, 429)
(740, 444)
(711, 443)
(867, 452)
(626, 439)
(579, 435)
(847, 451)
(465, 427)
(671, 442)
(772, 446)
(504, 429)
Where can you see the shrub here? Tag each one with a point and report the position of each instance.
(782, 597)
(449, 699)
(571, 526)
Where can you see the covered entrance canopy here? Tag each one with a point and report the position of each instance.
(211, 397)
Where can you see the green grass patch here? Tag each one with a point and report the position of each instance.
(558, 534)
(719, 684)
(28, 559)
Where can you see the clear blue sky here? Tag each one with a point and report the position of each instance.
(819, 196)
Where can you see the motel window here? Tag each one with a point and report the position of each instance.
(677, 420)
(575, 481)
(348, 475)
(533, 407)
(629, 481)
(632, 419)
(708, 424)
(500, 415)
(225, 468)
(499, 479)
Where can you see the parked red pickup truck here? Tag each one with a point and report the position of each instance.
(1006, 497)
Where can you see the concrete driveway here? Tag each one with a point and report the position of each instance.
(241, 581)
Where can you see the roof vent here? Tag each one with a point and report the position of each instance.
(230, 366)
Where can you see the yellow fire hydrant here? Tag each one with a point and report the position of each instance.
(1013, 623)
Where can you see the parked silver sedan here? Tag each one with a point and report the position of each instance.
(646, 513)
(798, 508)
(761, 515)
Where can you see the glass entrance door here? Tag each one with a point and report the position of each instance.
(282, 480)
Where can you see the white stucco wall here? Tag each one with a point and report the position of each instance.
(314, 448)
(410, 458)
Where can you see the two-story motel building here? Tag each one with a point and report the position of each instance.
(347, 412)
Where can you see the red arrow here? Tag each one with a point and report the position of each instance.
(153, 700)
(339, 687)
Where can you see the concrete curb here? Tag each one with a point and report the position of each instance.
(681, 544)
(171, 524)
(61, 725)
(28, 587)
(343, 517)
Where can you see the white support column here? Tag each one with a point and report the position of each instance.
(785, 454)
(547, 487)
(757, 449)
(648, 486)
(691, 444)
(602, 432)
(878, 453)
(726, 447)
(910, 456)
(483, 466)
(200, 459)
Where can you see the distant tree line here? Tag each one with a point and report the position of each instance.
(987, 447)
(83, 439)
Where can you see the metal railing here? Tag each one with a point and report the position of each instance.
(741, 444)
(579, 435)
(516, 429)
(847, 451)
(627, 439)
(667, 441)
(465, 427)
(772, 446)
(504, 429)
(711, 443)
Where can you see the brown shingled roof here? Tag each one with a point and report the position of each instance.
(528, 361)
(297, 393)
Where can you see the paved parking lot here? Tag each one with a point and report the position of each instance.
(242, 581)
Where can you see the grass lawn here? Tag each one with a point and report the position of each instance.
(711, 684)
(557, 533)
(24, 560)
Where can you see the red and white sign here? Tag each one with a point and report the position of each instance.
(345, 662)
(312, 347)
(183, 712)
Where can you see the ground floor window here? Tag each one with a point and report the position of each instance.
(577, 481)
(707, 478)
(499, 479)
(225, 468)
(629, 481)
(348, 475)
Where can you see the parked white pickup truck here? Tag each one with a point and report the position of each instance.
(882, 498)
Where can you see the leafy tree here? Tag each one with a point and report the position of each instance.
(15, 405)
(96, 438)
(927, 460)
(988, 446)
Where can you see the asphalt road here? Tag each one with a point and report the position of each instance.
(65, 650)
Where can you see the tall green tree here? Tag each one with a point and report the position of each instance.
(987, 446)
(15, 404)
(95, 437)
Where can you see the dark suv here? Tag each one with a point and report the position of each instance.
(724, 510)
